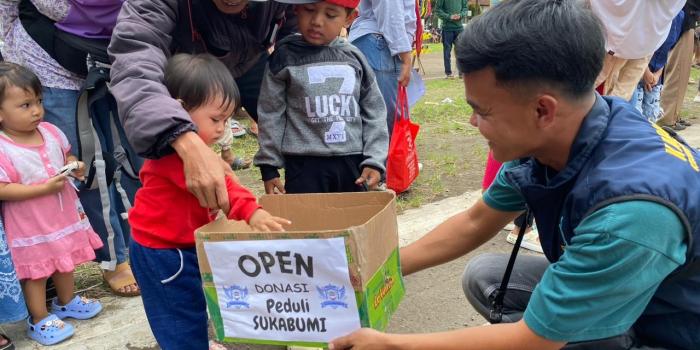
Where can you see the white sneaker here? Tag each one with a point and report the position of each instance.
(237, 130)
(531, 241)
(697, 98)
(510, 227)
(420, 166)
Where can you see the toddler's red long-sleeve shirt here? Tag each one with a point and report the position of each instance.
(166, 214)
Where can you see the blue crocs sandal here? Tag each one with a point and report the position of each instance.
(79, 308)
(50, 330)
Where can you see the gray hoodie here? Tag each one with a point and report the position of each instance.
(319, 101)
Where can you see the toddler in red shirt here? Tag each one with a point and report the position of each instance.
(165, 214)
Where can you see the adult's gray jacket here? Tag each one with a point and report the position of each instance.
(148, 32)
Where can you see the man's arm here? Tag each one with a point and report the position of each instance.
(493, 337)
(139, 51)
(153, 121)
(455, 237)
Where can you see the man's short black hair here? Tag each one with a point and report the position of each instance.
(554, 42)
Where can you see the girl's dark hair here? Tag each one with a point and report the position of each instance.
(12, 74)
(197, 79)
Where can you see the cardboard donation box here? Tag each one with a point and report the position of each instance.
(334, 270)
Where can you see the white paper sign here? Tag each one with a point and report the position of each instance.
(286, 290)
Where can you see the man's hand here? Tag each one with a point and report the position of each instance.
(363, 339)
(204, 171)
(406, 66)
(649, 79)
(79, 173)
(455, 17)
(263, 221)
(274, 186)
(370, 177)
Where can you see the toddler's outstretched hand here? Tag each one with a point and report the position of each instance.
(370, 177)
(261, 220)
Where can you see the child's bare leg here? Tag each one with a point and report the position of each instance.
(64, 283)
(35, 296)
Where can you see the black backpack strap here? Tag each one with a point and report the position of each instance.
(69, 50)
(496, 313)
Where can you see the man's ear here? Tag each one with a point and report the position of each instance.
(547, 106)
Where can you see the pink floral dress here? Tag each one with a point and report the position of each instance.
(50, 233)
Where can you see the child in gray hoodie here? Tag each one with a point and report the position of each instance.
(321, 115)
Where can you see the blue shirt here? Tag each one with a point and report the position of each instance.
(607, 274)
(395, 20)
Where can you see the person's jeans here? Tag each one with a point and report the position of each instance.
(648, 102)
(448, 40)
(60, 108)
(171, 289)
(387, 69)
(482, 277)
(12, 307)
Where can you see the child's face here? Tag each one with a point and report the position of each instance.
(320, 22)
(21, 111)
(210, 119)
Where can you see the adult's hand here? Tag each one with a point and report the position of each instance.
(406, 66)
(204, 171)
(363, 339)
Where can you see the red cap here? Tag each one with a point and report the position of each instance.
(351, 4)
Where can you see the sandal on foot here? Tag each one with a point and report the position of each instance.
(79, 308)
(121, 278)
(8, 345)
(50, 330)
(240, 164)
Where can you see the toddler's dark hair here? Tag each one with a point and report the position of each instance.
(12, 74)
(197, 79)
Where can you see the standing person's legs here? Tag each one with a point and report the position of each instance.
(611, 64)
(387, 69)
(676, 74)
(627, 77)
(249, 86)
(60, 106)
(448, 40)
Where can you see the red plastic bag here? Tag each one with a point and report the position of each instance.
(402, 160)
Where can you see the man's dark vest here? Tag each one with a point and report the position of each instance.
(618, 156)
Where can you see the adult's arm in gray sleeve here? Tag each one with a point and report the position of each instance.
(272, 105)
(139, 50)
